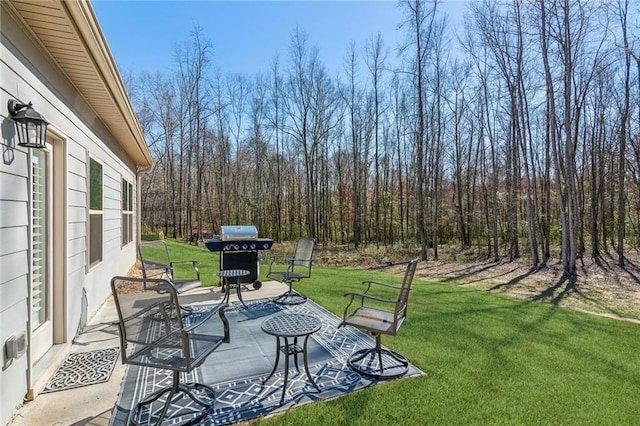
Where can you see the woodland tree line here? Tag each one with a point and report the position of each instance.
(517, 133)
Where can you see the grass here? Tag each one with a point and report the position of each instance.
(488, 359)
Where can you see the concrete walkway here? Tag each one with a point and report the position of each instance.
(93, 404)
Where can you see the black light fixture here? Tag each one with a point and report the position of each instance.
(31, 126)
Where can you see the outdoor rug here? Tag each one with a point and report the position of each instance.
(236, 370)
(82, 369)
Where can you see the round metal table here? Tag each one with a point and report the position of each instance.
(287, 326)
(227, 275)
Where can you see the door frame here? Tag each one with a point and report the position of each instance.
(58, 264)
(59, 234)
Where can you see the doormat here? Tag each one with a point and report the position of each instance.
(83, 369)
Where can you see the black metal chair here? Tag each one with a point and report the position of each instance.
(156, 262)
(153, 334)
(293, 269)
(379, 315)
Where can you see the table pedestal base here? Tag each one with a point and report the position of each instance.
(227, 275)
(291, 349)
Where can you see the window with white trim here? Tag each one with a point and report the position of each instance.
(127, 212)
(95, 212)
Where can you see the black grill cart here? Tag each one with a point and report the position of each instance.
(238, 246)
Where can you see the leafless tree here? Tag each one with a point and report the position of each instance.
(420, 21)
(375, 56)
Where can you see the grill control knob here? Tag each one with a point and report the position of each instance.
(244, 247)
(265, 246)
(236, 247)
(253, 246)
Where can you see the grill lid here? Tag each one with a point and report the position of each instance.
(238, 232)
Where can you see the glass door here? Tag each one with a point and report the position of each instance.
(41, 289)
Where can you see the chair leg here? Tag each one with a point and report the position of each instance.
(378, 362)
(185, 311)
(290, 297)
(188, 310)
(177, 398)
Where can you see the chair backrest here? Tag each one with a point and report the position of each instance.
(152, 330)
(303, 256)
(148, 312)
(400, 312)
(155, 259)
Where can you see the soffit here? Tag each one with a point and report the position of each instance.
(69, 31)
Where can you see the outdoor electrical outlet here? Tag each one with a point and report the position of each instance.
(16, 346)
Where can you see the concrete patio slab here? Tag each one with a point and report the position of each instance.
(94, 404)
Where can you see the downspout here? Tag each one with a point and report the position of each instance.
(140, 170)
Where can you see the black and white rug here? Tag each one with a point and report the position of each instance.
(236, 370)
(83, 369)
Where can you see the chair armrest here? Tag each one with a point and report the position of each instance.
(205, 316)
(160, 285)
(194, 262)
(369, 297)
(380, 283)
(151, 265)
(218, 309)
(362, 297)
(279, 260)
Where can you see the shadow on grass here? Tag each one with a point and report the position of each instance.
(509, 284)
(633, 276)
(551, 294)
(469, 271)
(460, 274)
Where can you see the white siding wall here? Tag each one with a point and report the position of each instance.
(28, 74)
(14, 270)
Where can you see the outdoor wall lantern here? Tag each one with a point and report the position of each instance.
(31, 126)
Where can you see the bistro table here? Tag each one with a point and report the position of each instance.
(288, 326)
(227, 275)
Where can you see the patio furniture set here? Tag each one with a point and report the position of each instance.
(157, 331)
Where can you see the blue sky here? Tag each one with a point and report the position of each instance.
(143, 34)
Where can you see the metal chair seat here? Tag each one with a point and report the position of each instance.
(288, 276)
(372, 320)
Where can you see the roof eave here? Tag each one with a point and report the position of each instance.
(111, 103)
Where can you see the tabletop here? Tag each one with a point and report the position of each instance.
(232, 273)
(291, 325)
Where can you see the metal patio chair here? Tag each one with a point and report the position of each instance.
(378, 315)
(156, 262)
(293, 269)
(154, 334)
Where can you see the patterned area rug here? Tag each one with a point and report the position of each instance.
(236, 371)
(83, 369)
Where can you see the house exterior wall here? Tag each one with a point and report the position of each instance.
(29, 74)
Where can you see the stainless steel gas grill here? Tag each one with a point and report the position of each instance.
(238, 246)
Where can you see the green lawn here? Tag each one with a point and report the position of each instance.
(487, 359)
